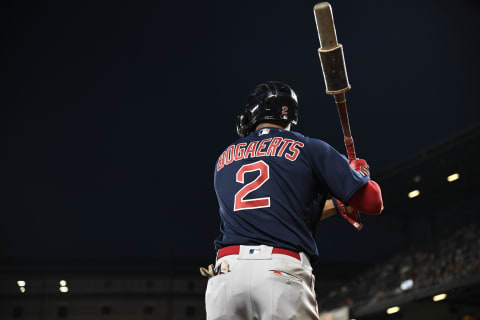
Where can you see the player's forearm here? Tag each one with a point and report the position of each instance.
(328, 210)
(368, 199)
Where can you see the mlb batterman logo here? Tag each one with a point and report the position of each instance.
(255, 251)
(264, 131)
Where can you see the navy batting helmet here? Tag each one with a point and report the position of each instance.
(272, 101)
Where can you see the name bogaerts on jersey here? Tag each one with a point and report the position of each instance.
(271, 147)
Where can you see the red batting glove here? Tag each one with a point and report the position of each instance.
(352, 217)
(361, 166)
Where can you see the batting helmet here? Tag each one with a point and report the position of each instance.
(272, 101)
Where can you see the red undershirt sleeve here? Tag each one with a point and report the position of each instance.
(368, 199)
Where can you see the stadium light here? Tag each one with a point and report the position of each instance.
(439, 297)
(453, 177)
(407, 284)
(21, 283)
(393, 310)
(63, 283)
(64, 289)
(413, 194)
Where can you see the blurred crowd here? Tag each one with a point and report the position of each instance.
(450, 259)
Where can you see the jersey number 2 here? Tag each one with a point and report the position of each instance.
(240, 203)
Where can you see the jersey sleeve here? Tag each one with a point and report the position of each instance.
(333, 171)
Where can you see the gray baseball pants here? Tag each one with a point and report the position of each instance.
(261, 285)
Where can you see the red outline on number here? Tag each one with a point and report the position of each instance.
(245, 190)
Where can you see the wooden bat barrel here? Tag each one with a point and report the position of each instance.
(330, 51)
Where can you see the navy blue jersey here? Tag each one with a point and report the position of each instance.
(272, 185)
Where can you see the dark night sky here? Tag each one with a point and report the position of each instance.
(117, 112)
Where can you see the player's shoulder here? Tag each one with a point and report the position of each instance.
(311, 142)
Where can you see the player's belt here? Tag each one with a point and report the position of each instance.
(236, 250)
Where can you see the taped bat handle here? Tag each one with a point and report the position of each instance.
(347, 135)
(357, 225)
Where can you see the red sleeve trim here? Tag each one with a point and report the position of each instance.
(368, 199)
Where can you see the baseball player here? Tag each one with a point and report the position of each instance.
(273, 186)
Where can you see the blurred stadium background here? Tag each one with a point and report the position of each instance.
(430, 200)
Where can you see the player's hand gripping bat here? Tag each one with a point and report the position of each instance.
(336, 80)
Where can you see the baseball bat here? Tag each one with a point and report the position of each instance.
(334, 70)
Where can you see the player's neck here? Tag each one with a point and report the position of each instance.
(272, 125)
